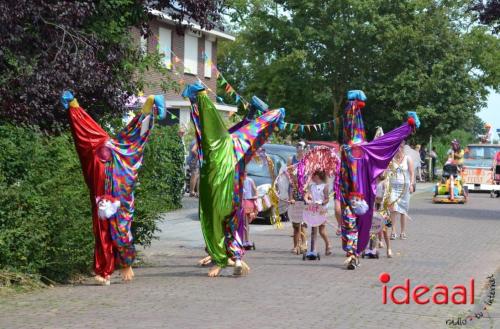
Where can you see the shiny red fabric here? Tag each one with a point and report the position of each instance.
(88, 137)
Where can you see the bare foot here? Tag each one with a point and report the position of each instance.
(238, 268)
(328, 251)
(231, 262)
(105, 281)
(99, 279)
(241, 268)
(205, 261)
(127, 273)
(214, 271)
(389, 253)
(246, 268)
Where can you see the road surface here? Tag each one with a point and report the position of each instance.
(448, 244)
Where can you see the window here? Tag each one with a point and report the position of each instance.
(165, 45)
(190, 54)
(208, 59)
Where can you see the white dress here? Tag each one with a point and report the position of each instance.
(317, 193)
(399, 180)
(315, 214)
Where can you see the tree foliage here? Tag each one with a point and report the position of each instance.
(489, 13)
(421, 55)
(49, 46)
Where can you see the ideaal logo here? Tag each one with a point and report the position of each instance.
(423, 294)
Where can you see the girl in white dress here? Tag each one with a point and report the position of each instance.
(317, 193)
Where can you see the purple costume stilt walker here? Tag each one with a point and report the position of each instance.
(362, 163)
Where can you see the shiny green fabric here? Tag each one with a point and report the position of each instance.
(216, 179)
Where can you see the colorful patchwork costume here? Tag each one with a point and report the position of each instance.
(362, 163)
(222, 155)
(114, 177)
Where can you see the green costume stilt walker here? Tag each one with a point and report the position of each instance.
(223, 155)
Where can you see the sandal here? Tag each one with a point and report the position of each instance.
(393, 236)
(328, 251)
(389, 253)
(403, 236)
(338, 233)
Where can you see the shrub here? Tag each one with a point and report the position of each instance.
(160, 181)
(45, 217)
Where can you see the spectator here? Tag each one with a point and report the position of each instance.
(433, 156)
(401, 182)
(417, 165)
(194, 169)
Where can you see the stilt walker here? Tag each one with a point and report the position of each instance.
(256, 106)
(362, 163)
(222, 154)
(110, 167)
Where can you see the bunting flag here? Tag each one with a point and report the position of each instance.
(179, 68)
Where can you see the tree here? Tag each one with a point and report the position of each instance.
(407, 55)
(49, 46)
(489, 13)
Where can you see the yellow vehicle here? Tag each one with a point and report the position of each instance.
(450, 188)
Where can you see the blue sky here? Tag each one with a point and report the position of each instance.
(491, 113)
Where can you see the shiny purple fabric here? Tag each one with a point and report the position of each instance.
(376, 157)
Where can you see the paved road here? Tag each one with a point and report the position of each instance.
(447, 244)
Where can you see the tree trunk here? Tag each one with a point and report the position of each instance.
(337, 103)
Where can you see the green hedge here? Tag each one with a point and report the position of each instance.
(45, 218)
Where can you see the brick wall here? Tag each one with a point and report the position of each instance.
(178, 49)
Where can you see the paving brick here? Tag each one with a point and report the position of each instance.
(447, 244)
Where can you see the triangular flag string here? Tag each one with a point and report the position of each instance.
(178, 67)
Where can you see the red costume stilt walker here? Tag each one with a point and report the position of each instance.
(110, 170)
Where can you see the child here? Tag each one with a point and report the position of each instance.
(249, 197)
(317, 194)
(381, 206)
(285, 193)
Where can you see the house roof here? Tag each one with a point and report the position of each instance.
(216, 33)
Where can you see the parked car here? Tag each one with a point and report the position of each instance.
(334, 145)
(260, 172)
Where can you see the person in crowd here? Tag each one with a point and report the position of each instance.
(317, 193)
(249, 197)
(194, 169)
(402, 181)
(381, 203)
(418, 168)
(415, 157)
(433, 156)
(299, 228)
(423, 152)
(284, 189)
(456, 154)
(301, 148)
